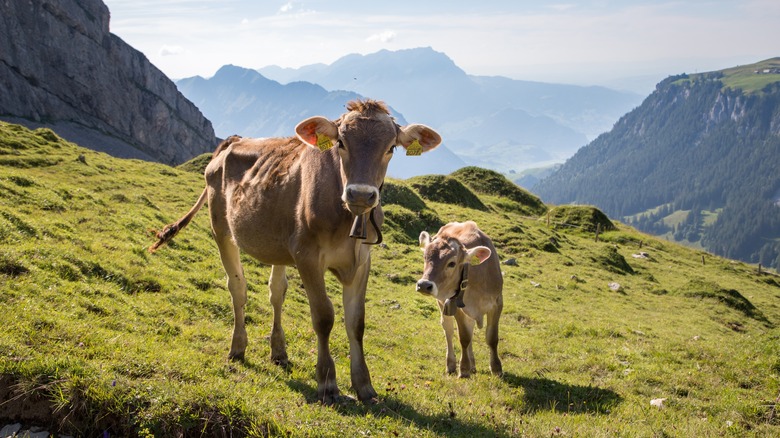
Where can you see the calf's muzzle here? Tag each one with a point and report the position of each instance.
(425, 286)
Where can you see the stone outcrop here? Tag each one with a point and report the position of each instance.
(61, 67)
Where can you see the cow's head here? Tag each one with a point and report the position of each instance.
(443, 264)
(366, 137)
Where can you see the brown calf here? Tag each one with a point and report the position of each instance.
(462, 272)
(291, 201)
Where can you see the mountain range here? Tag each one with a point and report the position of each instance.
(242, 101)
(697, 161)
(493, 122)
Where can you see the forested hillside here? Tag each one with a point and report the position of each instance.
(698, 161)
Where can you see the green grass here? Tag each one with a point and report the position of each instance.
(99, 335)
(745, 77)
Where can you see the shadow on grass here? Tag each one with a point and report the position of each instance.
(541, 394)
(445, 423)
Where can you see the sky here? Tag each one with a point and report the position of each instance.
(597, 42)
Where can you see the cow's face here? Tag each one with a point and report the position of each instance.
(443, 262)
(365, 138)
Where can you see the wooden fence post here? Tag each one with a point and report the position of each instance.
(548, 218)
(598, 230)
(702, 259)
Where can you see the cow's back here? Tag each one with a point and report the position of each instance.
(266, 189)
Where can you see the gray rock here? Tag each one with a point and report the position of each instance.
(61, 67)
(10, 430)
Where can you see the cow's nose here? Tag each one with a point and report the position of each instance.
(361, 195)
(425, 286)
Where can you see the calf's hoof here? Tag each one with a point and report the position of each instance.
(328, 396)
(281, 361)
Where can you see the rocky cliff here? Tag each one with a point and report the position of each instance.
(61, 67)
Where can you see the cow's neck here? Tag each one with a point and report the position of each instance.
(454, 302)
(360, 225)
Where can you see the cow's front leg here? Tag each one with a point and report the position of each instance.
(277, 286)
(322, 316)
(448, 324)
(466, 334)
(354, 297)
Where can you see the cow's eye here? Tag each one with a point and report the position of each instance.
(392, 150)
(340, 145)
(451, 264)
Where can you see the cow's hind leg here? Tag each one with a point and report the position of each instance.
(466, 334)
(277, 286)
(491, 336)
(231, 261)
(322, 316)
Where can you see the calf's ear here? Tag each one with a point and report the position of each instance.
(478, 254)
(425, 239)
(318, 131)
(425, 137)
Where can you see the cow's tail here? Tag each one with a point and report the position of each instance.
(172, 229)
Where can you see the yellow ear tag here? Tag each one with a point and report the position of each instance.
(324, 142)
(414, 149)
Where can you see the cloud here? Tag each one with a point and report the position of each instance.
(287, 7)
(383, 37)
(167, 50)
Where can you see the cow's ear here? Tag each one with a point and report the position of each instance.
(425, 239)
(417, 139)
(478, 254)
(318, 132)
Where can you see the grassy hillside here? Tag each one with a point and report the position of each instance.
(100, 336)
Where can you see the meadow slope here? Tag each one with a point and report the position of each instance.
(99, 336)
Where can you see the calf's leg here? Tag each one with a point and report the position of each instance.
(277, 286)
(448, 324)
(491, 336)
(466, 333)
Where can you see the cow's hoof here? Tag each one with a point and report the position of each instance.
(236, 357)
(367, 395)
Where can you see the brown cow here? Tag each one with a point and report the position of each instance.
(285, 201)
(462, 272)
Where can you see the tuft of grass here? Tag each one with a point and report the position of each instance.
(445, 189)
(729, 297)
(197, 164)
(489, 182)
(586, 217)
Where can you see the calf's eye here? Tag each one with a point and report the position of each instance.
(451, 264)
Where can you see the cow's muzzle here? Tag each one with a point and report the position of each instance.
(360, 198)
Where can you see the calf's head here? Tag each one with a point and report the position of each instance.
(443, 261)
(366, 137)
